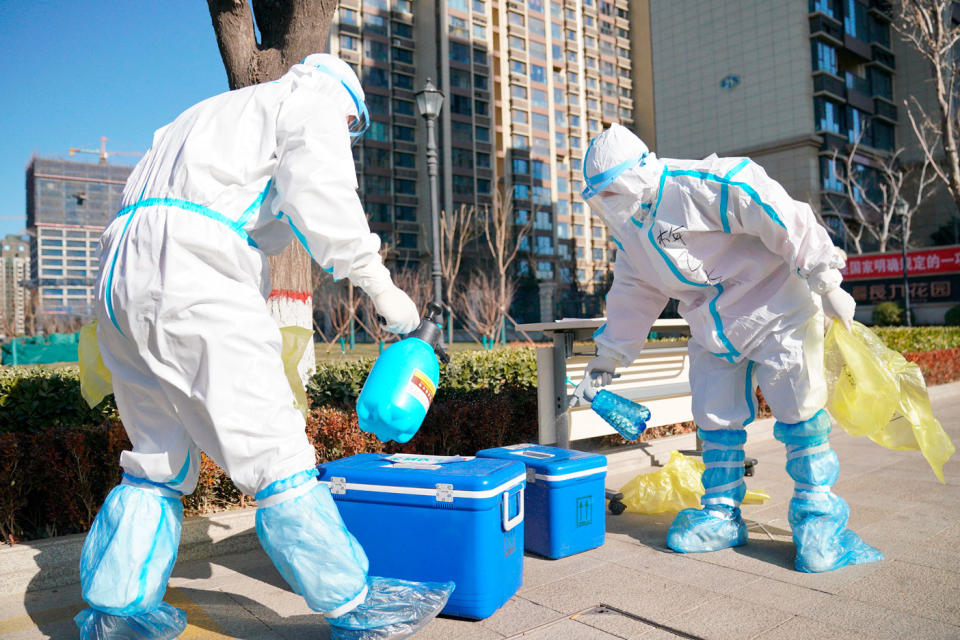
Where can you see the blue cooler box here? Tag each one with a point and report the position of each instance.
(564, 497)
(433, 518)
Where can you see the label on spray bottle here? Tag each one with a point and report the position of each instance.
(422, 388)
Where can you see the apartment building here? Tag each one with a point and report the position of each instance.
(68, 206)
(526, 85)
(14, 270)
(785, 82)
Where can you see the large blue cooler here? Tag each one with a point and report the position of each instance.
(432, 518)
(564, 497)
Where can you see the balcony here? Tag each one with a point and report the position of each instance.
(882, 57)
(885, 110)
(826, 83)
(827, 28)
(833, 142)
(881, 8)
(856, 46)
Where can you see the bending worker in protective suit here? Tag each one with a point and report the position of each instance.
(184, 328)
(754, 273)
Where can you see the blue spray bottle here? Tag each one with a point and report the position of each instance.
(398, 392)
(626, 416)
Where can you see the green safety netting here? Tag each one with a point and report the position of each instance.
(57, 347)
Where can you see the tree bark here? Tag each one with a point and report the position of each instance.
(289, 31)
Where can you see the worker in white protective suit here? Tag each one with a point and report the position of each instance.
(184, 328)
(753, 273)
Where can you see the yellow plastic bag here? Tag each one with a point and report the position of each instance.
(295, 341)
(96, 383)
(875, 392)
(675, 487)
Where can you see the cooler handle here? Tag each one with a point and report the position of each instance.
(508, 522)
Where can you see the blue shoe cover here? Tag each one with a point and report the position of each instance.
(163, 623)
(823, 541)
(712, 528)
(130, 551)
(393, 609)
(306, 539)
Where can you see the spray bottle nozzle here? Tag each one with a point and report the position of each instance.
(430, 331)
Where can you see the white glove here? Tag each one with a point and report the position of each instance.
(399, 312)
(600, 370)
(840, 305)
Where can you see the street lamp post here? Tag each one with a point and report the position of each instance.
(901, 209)
(429, 102)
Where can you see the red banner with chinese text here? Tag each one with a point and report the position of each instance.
(933, 261)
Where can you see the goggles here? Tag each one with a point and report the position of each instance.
(359, 125)
(604, 179)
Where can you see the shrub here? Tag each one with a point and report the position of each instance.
(909, 339)
(37, 398)
(888, 314)
(952, 317)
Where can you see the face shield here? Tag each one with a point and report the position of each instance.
(618, 171)
(358, 118)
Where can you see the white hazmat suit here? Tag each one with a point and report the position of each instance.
(752, 270)
(184, 328)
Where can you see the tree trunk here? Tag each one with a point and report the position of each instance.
(289, 31)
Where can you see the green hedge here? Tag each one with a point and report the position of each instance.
(909, 339)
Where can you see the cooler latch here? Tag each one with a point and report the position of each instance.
(338, 485)
(531, 475)
(444, 493)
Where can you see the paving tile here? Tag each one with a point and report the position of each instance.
(800, 628)
(921, 590)
(519, 614)
(784, 596)
(723, 618)
(539, 571)
(614, 623)
(877, 621)
(568, 630)
(454, 629)
(644, 594)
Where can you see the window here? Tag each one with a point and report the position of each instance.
(542, 195)
(402, 30)
(480, 82)
(541, 146)
(574, 142)
(560, 118)
(458, 5)
(516, 91)
(578, 232)
(483, 134)
(349, 16)
(560, 139)
(349, 42)
(375, 76)
(461, 105)
(521, 166)
(463, 185)
(561, 184)
(572, 77)
(556, 31)
(538, 27)
(538, 98)
(403, 55)
(545, 245)
(538, 50)
(483, 160)
(405, 187)
(373, 23)
(378, 131)
(521, 192)
(478, 6)
(461, 131)
(537, 73)
(479, 32)
(522, 216)
(378, 104)
(404, 160)
(403, 134)
(376, 157)
(483, 185)
(598, 254)
(517, 42)
(406, 213)
(566, 274)
(480, 107)
(824, 57)
(609, 89)
(563, 231)
(518, 116)
(540, 122)
(403, 81)
(520, 141)
(857, 123)
(460, 79)
(458, 27)
(880, 83)
(515, 18)
(518, 67)
(558, 96)
(402, 107)
(545, 270)
(596, 232)
(544, 220)
(625, 92)
(541, 171)
(407, 240)
(830, 175)
(855, 21)
(882, 135)
(459, 52)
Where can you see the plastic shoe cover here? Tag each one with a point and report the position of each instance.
(301, 530)
(393, 609)
(163, 623)
(818, 516)
(627, 417)
(130, 550)
(709, 529)
(723, 467)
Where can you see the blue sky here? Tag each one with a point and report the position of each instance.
(74, 71)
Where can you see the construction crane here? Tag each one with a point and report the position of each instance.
(103, 153)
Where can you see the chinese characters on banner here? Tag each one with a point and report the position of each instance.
(933, 274)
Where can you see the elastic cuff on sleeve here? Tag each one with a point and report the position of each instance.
(824, 280)
(603, 351)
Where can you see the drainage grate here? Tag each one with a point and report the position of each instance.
(590, 617)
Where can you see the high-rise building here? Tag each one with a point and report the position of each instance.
(784, 82)
(68, 206)
(14, 270)
(526, 85)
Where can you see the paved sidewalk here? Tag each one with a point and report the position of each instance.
(646, 590)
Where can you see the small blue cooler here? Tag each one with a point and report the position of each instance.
(564, 496)
(433, 518)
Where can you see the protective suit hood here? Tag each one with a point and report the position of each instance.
(348, 94)
(621, 174)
